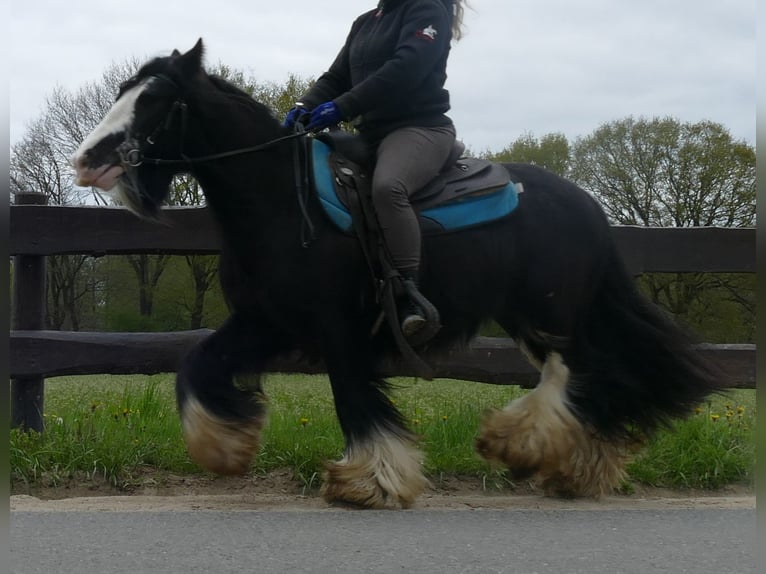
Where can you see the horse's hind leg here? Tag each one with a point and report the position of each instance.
(381, 462)
(220, 401)
(539, 435)
(543, 433)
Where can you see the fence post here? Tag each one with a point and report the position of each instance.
(28, 393)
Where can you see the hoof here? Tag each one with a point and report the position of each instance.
(383, 469)
(538, 436)
(217, 445)
(565, 460)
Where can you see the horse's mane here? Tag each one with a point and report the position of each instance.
(158, 66)
(227, 87)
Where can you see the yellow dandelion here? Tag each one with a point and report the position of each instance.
(444, 418)
(416, 421)
(714, 418)
(698, 410)
(741, 410)
(304, 421)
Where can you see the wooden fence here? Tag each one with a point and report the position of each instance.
(38, 230)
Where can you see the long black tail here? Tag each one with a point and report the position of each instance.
(634, 368)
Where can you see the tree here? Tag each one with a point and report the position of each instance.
(40, 162)
(550, 151)
(662, 172)
(278, 97)
(39, 165)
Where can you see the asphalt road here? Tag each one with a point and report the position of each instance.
(416, 541)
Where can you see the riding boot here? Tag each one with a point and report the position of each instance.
(410, 314)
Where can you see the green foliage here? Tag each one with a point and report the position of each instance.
(719, 307)
(492, 329)
(117, 308)
(278, 97)
(551, 151)
(662, 172)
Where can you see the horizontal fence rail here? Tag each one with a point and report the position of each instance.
(40, 230)
(485, 359)
(56, 230)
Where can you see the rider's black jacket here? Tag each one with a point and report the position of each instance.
(391, 71)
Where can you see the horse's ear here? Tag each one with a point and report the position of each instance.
(175, 53)
(191, 61)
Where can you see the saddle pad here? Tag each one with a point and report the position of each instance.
(468, 211)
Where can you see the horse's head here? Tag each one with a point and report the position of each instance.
(145, 123)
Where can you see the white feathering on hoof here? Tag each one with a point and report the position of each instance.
(217, 445)
(381, 468)
(539, 435)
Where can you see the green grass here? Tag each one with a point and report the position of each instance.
(711, 449)
(118, 429)
(101, 428)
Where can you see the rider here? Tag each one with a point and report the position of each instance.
(390, 75)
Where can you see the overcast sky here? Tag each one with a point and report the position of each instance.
(524, 66)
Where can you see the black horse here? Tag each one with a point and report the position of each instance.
(613, 367)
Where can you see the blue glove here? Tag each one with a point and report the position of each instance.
(324, 115)
(296, 114)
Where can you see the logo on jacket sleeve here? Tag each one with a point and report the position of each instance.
(428, 33)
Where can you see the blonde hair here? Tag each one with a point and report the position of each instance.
(458, 7)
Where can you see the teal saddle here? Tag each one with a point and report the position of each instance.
(467, 192)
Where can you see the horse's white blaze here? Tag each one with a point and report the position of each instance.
(383, 467)
(119, 118)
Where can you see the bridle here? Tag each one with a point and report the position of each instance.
(132, 155)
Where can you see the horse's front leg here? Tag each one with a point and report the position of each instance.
(219, 396)
(381, 462)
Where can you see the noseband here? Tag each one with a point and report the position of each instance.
(132, 155)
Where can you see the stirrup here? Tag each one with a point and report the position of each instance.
(420, 320)
(412, 320)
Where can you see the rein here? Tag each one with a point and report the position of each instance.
(192, 160)
(132, 155)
